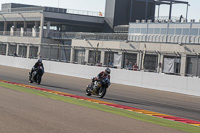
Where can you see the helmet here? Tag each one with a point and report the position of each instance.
(107, 70)
(40, 60)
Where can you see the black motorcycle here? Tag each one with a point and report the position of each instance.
(97, 87)
(36, 75)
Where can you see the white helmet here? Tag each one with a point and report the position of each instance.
(40, 60)
(107, 71)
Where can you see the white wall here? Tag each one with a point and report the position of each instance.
(179, 84)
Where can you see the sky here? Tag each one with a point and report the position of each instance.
(99, 5)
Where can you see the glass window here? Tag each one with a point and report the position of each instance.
(109, 58)
(80, 56)
(12, 50)
(33, 53)
(194, 31)
(3, 49)
(186, 31)
(22, 51)
(94, 57)
(137, 30)
(173, 64)
(171, 31)
(150, 62)
(131, 30)
(150, 31)
(193, 63)
(129, 59)
(143, 30)
(178, 31)
(65, 53)
(157, 31)
(163, 31)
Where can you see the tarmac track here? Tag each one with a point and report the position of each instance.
(158, 101)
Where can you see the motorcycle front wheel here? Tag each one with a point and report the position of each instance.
(102, 92)
(39, 79)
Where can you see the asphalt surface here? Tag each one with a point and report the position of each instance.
(28, 113)
(179, 105)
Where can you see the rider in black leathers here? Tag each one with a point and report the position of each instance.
(37, 64)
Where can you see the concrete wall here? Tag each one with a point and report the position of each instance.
(16, 39)
(184, 85)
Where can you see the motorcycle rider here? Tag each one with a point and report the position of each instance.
(104, 75)
(37, 64)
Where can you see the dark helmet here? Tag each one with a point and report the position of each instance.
(107, 71)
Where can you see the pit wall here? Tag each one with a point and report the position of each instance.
(157, 81)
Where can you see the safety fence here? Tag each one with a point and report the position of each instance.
(86, 36)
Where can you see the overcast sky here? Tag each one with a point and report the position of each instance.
(99, 5)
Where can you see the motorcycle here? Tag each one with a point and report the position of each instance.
(36, 75)
(97, 87)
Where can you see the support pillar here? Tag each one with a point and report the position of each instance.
(17, 51)
(72, 56)
(183, 64)
(37, 25)
(15, 25)
(48, 28)
(161, 63)
(5, 28)
(28, 51)
(25, 26)
(39, 52)
(119, 67)
(102, 57)
(7, 49)
(41, 27)
(139, 60)
(86, 55)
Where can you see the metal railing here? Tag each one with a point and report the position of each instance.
(87, 36)
(19, 33)
(179, 39)
(88, 13)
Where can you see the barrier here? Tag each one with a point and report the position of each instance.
(158, 81)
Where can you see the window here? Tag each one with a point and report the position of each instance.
(131, 30)
(194, 32)
(150, 62)
(3, 49)
(109, 57)
(143, 30)
(22, 51)
(137, 30)
(33, 52)
(193, 64)
(157, 31)
(186, 31)
(129, 58)
(150, 31)
(178, 31)
(172, 64)
(80, 56)
(163, 31)
(171, 31)
(94, 57)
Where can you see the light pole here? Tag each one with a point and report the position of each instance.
(187, 11)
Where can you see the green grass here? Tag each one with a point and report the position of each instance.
(125, 113)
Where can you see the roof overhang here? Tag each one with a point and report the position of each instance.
(168, 2)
